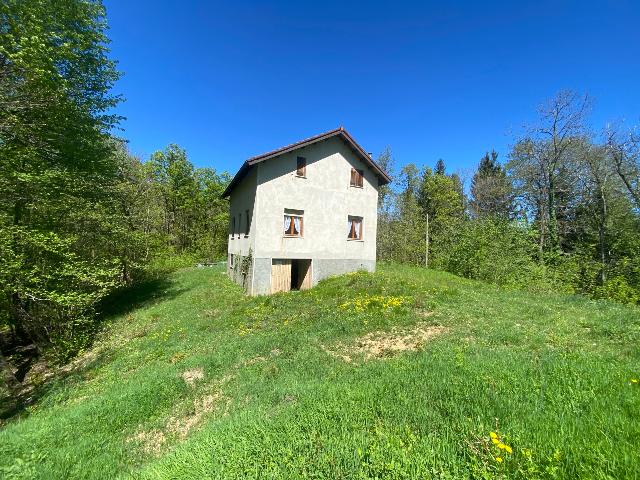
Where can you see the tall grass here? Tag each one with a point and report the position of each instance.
(550, 374)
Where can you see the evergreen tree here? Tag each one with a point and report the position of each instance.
(491, 189)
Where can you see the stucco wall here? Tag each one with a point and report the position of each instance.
(326, 198)
(242, 199)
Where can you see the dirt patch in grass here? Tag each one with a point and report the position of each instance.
(182, 422)
(385, 343)
(259, 358)
(151, 441)
(192, 376)
(182, 425)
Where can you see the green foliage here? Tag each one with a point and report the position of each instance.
(440, 197)
(561, 215)
(79, 216)
(491, 190)
(493, 250)
(57, 174)
(551, 374)
(194, 217)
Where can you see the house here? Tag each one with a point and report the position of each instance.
(302, 213)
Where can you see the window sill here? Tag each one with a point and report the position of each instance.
(246, 235)
(300, 176)
(356, 186)
(355, 240)
(292, 236)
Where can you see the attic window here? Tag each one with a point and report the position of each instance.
(357, 177)
(301, 167)
(354, 228)
(293, 223)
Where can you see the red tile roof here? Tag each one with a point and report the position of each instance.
(383, 177)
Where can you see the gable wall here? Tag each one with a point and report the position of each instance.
(326, 198)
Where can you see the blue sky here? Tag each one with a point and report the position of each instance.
(432, 80)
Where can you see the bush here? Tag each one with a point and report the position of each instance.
(492, 250)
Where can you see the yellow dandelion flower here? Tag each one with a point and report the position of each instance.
(508, 449)
(495, 441)
(501, 446)
(499, 459)
(634, 380)
(493, 435)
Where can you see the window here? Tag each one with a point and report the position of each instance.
(301, 167)
(247, 224)
(239, 223)
(293, 223)
(231, 259)
(233, 226)
(354, 228)
(357, 177)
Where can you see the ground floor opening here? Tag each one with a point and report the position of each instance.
(290, 274)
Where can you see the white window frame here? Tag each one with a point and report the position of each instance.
(360, 220)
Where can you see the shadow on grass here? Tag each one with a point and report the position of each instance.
(118, 303)
(139, 295)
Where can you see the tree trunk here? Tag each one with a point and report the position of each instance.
(602, 236)
(8, 376)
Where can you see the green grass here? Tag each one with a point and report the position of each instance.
(551, 374)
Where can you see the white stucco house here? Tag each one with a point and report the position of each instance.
(302, 213)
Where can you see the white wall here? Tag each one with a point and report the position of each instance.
(242, 199)
(326, 198)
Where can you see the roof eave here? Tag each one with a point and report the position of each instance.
(383, 178)
(237, 178)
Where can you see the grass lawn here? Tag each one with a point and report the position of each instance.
(404, 373)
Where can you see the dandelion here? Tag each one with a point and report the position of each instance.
(634, 380)
(495, 441)
(508, 449)
(501, 446)
(499, 459)
(493, 435)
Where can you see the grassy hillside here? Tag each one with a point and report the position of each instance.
(400, 374)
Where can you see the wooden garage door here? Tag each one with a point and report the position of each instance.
(280, 275)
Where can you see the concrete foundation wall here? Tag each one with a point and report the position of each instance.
(327, 268)
(235, 273)
(260, 282)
